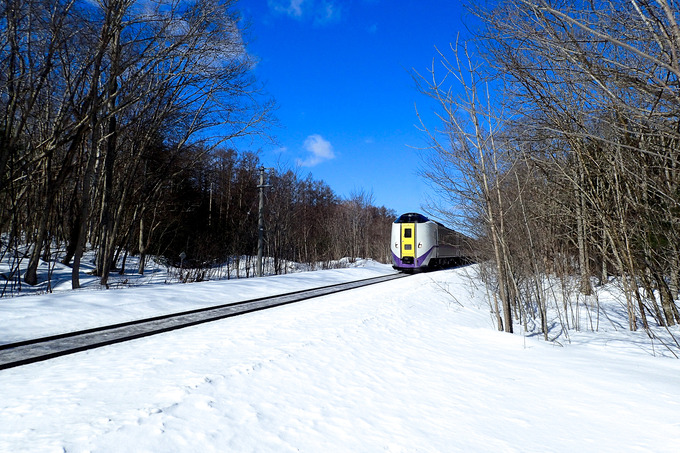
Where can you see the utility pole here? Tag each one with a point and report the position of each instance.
(260, 222)
(210, 206)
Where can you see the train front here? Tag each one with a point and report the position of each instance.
(412, 241)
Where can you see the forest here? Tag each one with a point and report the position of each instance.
(556, 146)
(558, 143)
(116, 124)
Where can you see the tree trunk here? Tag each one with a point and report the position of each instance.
(108, 236)
(31, 276)
(141, 244)
(583, 261)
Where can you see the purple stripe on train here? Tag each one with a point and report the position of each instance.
(419, 262)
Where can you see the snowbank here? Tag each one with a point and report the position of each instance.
(400, 367)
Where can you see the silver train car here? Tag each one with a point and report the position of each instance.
(419, 243)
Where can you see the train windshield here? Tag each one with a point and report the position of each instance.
(412, 217)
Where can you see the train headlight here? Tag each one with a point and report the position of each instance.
(420, 245)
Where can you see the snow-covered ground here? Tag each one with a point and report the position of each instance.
(412, 365)
(56, 277)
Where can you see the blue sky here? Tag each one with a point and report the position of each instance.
(340, 72)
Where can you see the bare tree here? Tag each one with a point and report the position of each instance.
(466, 159)
(595, 94)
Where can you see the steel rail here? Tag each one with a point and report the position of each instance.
(49, 347)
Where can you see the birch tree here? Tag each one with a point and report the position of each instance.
(466, 159)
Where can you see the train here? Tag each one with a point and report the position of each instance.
(419, 243)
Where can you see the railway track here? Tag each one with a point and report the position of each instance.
(40, 349)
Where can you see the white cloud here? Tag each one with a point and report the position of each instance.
(320, 150)
(320, 12)
(327, 12)
(291, 8)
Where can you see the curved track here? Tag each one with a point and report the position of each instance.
(39, 349)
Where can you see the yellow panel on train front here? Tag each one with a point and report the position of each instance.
(408, 240)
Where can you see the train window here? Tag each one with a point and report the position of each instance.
(407, 233)
(412, 217)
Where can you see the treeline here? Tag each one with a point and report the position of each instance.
(561, 139)
(211, 214)
(114, 120)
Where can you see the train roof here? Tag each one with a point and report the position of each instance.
(412, 217)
